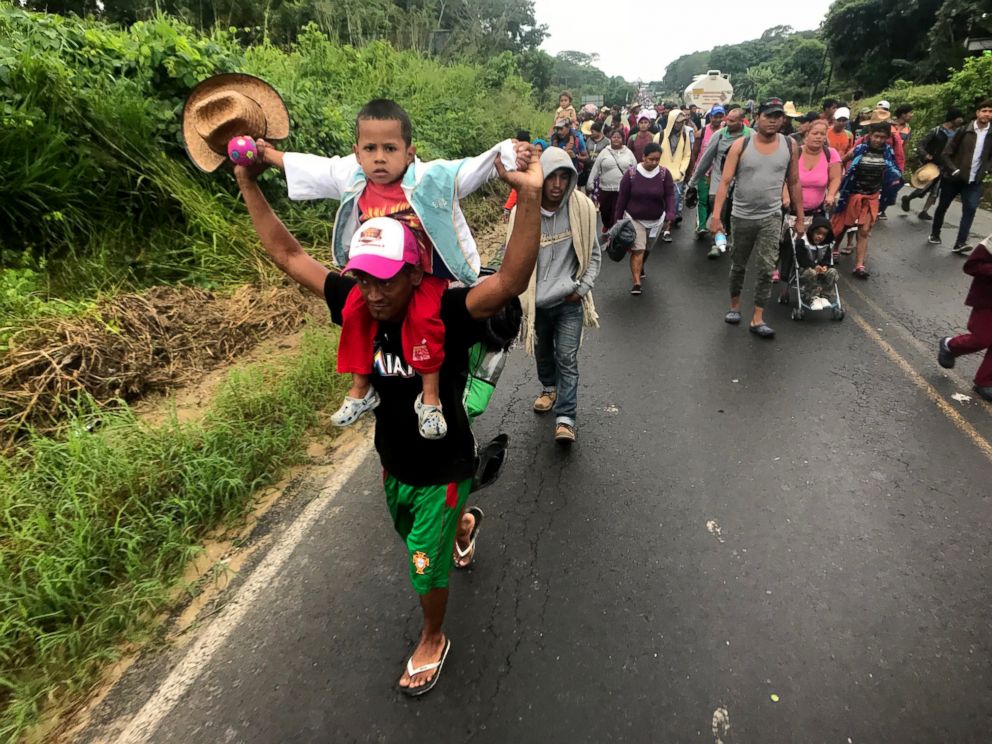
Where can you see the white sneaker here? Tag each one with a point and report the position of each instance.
(430, 419)
(353, 408)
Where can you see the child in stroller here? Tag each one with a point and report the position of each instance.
(809, 263)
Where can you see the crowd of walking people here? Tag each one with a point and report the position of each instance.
(758, 174)
(422, 321)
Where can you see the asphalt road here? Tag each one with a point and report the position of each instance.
(795, 532)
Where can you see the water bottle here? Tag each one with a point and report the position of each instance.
(720, 241)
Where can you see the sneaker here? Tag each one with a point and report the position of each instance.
(545, 401)
(925, 216)
(636, 289)
(961, 250)
(881, 216)
(564, 433)
(666, 236)
(934, 239)
(714, 252)
(944, 356)
(905, 204)
(354, 408)
(430, 419)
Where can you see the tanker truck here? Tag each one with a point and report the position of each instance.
(708, 90)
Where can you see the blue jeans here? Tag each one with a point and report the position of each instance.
(558, 333)
(970, 193)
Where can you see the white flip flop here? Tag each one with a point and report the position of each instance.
(415, 691)
(473, 536)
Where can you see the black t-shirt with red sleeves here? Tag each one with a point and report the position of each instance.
(404, 453)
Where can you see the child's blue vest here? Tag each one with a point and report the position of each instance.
(432, 190)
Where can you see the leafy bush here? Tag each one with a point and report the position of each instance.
(95, 178)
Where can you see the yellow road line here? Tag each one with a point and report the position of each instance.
(956, 418)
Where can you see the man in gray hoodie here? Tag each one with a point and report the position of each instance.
(558, 302)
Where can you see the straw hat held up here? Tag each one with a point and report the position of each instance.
(226, 106)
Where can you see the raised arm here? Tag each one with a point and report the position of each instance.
(486, 298)
(311, 176)
(474, 172)
(284, 250)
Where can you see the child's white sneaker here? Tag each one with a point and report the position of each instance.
(353, 408)
(430, 419)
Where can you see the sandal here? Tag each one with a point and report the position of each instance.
(430, 419)
(762, 329)
(353, 408)
(733, 317)
(861, 272)
(438, 665)
(469, 552)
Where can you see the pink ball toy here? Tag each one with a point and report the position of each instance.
(242, 150)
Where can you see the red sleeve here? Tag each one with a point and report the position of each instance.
(899, 151)
(979, 263)
(511, 200)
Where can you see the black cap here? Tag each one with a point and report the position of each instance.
(771, 106)
(809, 118)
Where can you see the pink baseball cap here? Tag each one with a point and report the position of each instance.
(381, 246)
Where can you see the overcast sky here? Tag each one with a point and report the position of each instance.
(642, 43)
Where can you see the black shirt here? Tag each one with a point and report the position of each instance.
(870, 173)
(403, 452)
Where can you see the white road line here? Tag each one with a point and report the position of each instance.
(188, 670)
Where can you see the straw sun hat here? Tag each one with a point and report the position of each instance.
(924, 175)
(225, 106)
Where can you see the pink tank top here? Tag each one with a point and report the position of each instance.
(814, 182)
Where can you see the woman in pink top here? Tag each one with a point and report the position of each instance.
(819, 177)
(819, 171)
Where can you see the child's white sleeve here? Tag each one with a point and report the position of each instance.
(474, 172)
(316, 177)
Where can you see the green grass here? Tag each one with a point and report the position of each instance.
(97, 525)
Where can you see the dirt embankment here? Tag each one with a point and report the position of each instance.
(137, 344)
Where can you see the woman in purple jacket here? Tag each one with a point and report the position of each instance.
(647, 194)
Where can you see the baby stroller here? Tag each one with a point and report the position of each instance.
(808, 264)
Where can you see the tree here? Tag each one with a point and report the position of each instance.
(957, 20)
(871, 41)
(682, 71)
